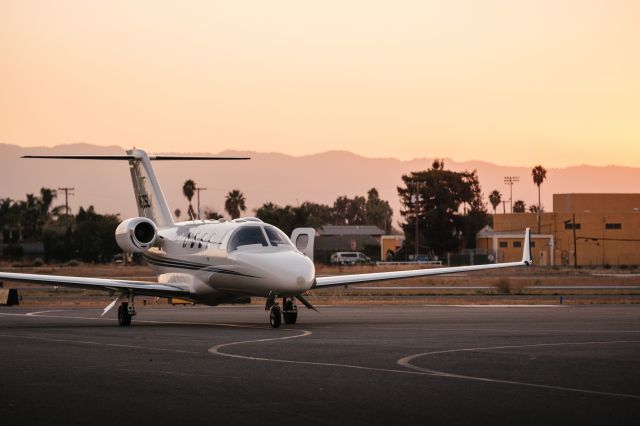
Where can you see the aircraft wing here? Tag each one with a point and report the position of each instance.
(343, 280)
(141, 288)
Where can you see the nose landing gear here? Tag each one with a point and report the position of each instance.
(289, 311)
(275, 316)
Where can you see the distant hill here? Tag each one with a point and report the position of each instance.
(280, 178)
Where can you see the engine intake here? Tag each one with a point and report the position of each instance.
(136, 235)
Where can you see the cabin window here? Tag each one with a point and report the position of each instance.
(276, 237)
(246, 236)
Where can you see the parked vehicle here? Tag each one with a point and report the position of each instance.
(349, 258)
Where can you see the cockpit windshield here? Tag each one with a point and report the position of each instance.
(276, 236)
(247, 235)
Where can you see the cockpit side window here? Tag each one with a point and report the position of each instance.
(247, 235)
(276, 237)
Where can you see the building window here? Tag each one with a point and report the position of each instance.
(532, 244)
(569, 225)
(612, 226)
(504, 244)
(517, 244)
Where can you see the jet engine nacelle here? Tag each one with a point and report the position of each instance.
(136, 235)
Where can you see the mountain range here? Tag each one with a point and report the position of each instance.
(279, 178)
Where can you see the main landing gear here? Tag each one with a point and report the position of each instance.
(126, 310)
(289, 311)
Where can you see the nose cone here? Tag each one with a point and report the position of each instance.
(292, 273)
(280, 272)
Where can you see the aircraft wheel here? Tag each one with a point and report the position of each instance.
(289, 311)
(275, 317)
(290, 317)
(124, 318)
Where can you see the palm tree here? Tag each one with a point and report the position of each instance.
(539, 174)
(189, 189)
(178, 213)
(234, 203)
(495, 198)
(47, 195)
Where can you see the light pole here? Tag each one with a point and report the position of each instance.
(198, 189)
(510, 180)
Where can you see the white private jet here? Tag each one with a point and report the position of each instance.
(214, 262)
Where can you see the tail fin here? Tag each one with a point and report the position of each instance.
(149, 197)
(526, 250)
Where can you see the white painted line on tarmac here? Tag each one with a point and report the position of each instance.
(406, 362)
(39, 315)
(30, 314)
(93, 343)
(498, 306)
(216, 350)
(433, 287)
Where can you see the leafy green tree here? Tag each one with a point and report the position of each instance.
(212, 214)
(93, 236)
(447, 205)
(519, 206)
(188, 190)
(234, 203)
(288, 218)
(349, 211)
(378, 212)
(57, 238)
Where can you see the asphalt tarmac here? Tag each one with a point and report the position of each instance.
(346, 365)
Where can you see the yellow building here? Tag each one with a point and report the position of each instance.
(607, 231)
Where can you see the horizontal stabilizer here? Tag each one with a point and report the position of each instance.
(133, 157)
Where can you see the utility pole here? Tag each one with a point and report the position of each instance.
(67, 192)
(198, 189)
(504, 208)
(575, 247)
(416, 200)
(510, 180)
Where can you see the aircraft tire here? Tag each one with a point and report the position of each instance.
(290, 317)
(275, 316)
(124, 319)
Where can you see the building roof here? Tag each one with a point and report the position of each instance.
(596, 202)
(350, 230)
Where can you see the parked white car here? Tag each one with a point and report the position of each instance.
(349, 258)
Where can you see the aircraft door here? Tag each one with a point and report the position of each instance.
(303, 239)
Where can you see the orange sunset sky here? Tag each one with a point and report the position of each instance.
(511, 82)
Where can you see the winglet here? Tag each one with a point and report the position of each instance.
(526, 252)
